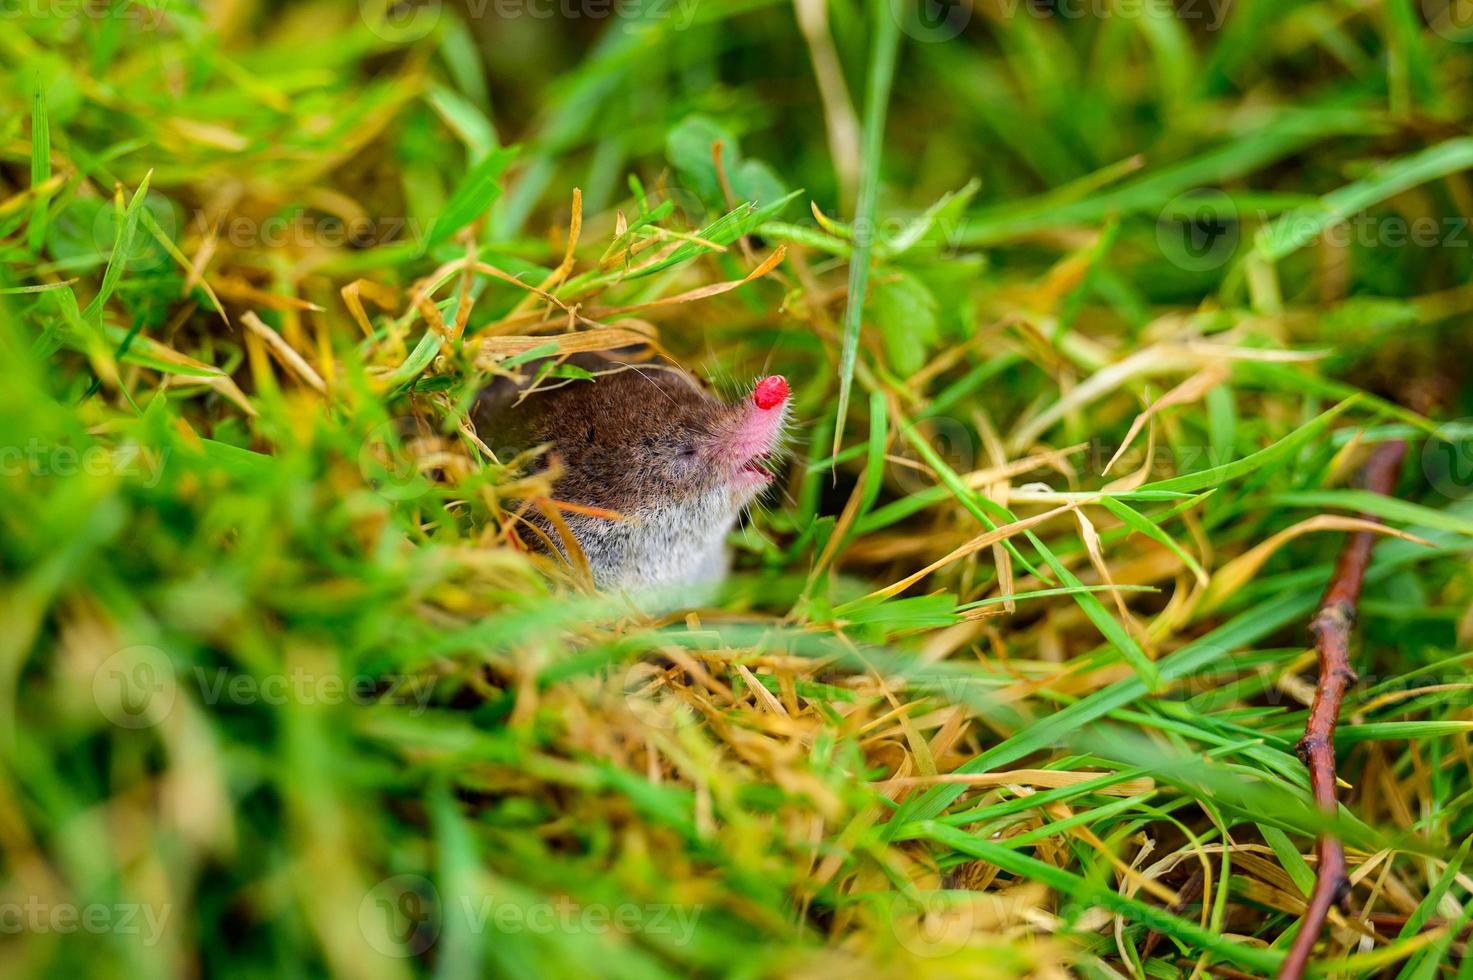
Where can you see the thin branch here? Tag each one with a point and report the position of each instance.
(1331, 627)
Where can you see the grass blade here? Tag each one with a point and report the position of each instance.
(881, 73)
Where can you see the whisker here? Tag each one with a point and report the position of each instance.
(663, 393)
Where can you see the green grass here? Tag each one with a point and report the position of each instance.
(279, 695)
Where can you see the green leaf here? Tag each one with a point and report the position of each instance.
(998, 600)
(1400, 731)
(420, 358)
(884, 52)
(544, 350)
(1109, 627)
(905, 311)
(937, 225)
(912, 612)
(1298, 228)
(1249, 626)
(874, 469)
(477, 191)
(1423, 965)
(1289, 377)
(122, 249)
(689, 148)
(1378, 505)
(723, 231)
(976, 505)
(1054, 729)
(1144, 525)
(1216, 475)
(1089, 892)
(468, 121)
(1289, 857)
(40, 168)
(1428, 906)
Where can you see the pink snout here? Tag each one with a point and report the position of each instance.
(756, 428)
(770, 392)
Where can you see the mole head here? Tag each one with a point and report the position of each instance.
(673, 461)
(649, 438)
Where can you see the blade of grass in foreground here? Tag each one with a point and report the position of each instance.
(876, 100)
(1088, 892)
(1246, 628)
(975, 503)
(1041, 593)
(874, 470)
(1282, 135)
(1365, 502)
(40, 168)
(477, 191)
(1298, 228)
(1144, 525)
(1216, 475)
(122, 249)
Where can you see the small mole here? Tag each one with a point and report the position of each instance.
(676, 464)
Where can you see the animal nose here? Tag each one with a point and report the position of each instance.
(770, 392)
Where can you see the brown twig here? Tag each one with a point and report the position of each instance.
(1331, 627)
(1190, 894)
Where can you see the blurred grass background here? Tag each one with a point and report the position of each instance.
(279, 695)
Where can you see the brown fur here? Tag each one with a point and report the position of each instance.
(641, 440)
